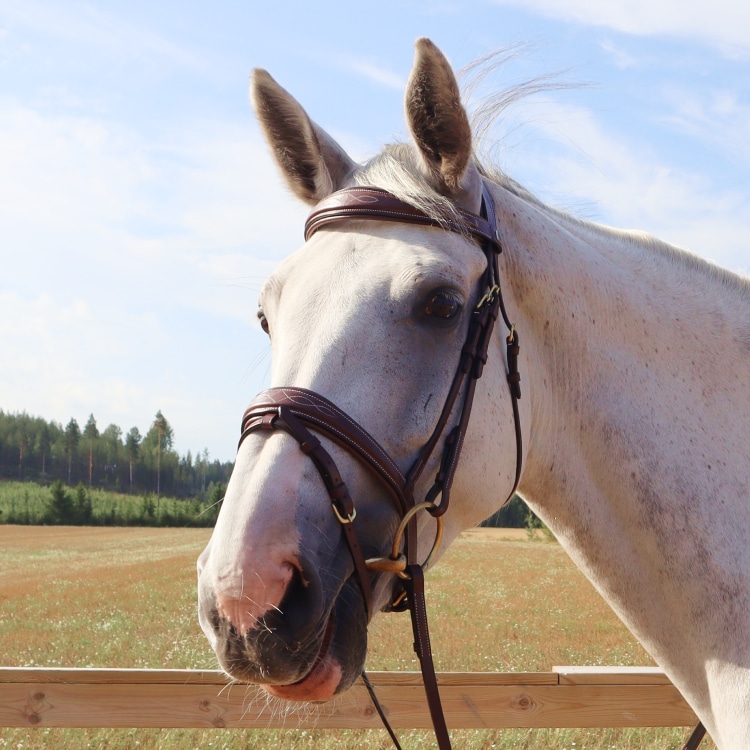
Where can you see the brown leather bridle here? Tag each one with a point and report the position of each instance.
(300, 412)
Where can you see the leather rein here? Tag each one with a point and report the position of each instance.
(301, 413)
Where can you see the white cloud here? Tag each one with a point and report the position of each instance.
(105, 198)
(629, 184)
(621, 57)
(378, 74)
(366, 68)
(55, 169)
(716, 116)
(724, 23)
(91, 27)
(71, 357)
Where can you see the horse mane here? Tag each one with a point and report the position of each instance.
(657, 249)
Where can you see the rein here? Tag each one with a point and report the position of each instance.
(301, 412)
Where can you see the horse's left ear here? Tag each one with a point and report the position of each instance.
(439, 123)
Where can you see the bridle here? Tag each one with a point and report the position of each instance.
(297, 411)
(300, 412)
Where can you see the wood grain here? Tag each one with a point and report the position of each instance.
(567, 697)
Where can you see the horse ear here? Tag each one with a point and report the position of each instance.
(438, 121)
(313, 164)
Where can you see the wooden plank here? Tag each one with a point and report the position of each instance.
(97, 676)
(83, 676)
(472, 679)
(176, 698)
(611, 676)
(577, 706)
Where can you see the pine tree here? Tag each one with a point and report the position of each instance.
(60, 504)
(22, 423)
(91, 433)
(164, 437)
(44, 443)
(72, 438)
(133, 446)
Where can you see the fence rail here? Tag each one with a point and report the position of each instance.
(161, 698)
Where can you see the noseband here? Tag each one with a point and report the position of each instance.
(301, 412)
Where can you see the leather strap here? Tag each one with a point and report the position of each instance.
(380, 710)
(380, 205)
(324, 416)
(343, 505)
(423, 649)
(695, 738)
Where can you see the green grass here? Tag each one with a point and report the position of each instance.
(125, 597)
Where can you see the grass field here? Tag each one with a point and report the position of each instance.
(125, 597)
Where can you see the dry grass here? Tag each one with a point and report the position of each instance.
(125, 597)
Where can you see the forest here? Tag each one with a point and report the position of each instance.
(32, 448)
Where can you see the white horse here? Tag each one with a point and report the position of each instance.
(635, 413)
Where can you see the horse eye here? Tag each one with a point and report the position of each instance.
(443, 305)
(263, 322)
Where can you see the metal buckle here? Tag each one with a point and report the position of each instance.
(344, 519)
(489, 297)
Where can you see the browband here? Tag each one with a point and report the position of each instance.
(374, 203)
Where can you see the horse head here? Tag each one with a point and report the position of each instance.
(367, 321)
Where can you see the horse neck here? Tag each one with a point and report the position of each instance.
(636, 434)
(627, 343)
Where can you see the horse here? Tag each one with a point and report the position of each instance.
(635, 361)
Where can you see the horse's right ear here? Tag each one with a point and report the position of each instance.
(313, 164)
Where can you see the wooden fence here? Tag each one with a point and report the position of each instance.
(565, 697)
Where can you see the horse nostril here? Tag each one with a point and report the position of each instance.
(300, 612)
(214, 618)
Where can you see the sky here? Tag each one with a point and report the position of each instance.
(140, 211)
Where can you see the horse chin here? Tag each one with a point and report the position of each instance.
(320, 683)
(339, 661)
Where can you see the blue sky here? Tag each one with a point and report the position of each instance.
(140, 212)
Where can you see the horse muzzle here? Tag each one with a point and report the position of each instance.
(309, 663)
(294, 626)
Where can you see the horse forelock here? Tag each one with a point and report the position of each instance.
(397, 169)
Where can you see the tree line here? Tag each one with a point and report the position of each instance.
(32, 448)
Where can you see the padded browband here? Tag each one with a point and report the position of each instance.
(374, 203)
